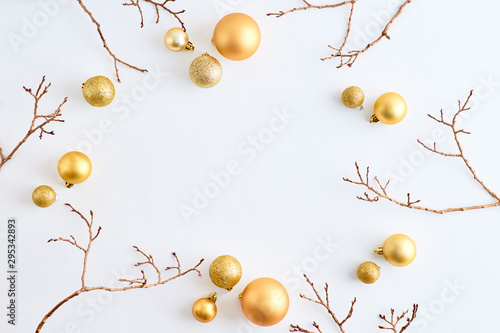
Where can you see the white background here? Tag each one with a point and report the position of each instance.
(286, 202)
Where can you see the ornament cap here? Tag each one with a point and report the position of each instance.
(374, 119)
(379, 250)
(190, 46)
(213, 297)
(69, 185)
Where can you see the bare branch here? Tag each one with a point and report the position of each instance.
(157, 5)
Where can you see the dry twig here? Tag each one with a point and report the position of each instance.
(34, 127)
(346, 57)
(158, 5)
(326, 304)
(380, 191)
(139, 283)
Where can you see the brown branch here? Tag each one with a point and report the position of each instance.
(381, 191)
(158, 5)
(393, 324)
(346, 57)
(34, 127)
(139, 283)
(116, 60)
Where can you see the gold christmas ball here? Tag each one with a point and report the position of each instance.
(236, 36)
(98, 91)
(390, 108)
(399, 250)
(43, 196)
(353, 97)
(368, 272)
(264, 302)
(225, 272)
(204, 310)
(176, 39)
(74, 168)
(205, 71)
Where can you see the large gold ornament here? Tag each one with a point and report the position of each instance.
(353, 97)
(176, 39)
(236, 36)
(264, 302)
(368, 272)
(98, 91)
(74, 168)
(43, 196)
(225, 272)
(390, 108)
(205, 71)
(399, 250)
(204, 310)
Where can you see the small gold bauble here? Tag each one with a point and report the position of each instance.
(264, 302)
(225, 272)
(74, 168)
(176, 39)
(353, 97)
(390, 108)
(204, 310)
(43, 196)
(205, 71)
(399, 250)
(236, 36)
(368, 272)
(98, 91)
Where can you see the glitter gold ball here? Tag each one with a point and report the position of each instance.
(390, 108)
(98, 91)
(225, 272)
(205, 71)
(399, 250)
(368, 272)
(353, 97)
(236, 36)
(43, 196)
(74, 168)
(204, 310)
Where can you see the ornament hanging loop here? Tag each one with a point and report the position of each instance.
(213, 297)
(379, 250)
(69, 185)
(190, 46)
(374, 119)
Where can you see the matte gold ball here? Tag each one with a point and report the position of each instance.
(225, 272)
(204, 310)
(74, 168)
(237, 36)
(43, 196)
(353, 97)
(264, 302)
(98, 91)
(390, 108)
(368, 272)
(205, 71)
(176, 39)
(399, 250)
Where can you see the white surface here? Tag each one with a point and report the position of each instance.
(287, 201)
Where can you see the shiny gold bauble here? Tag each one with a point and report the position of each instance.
(43, 196)
(205, 71)
(368, 272)
(98, 91)
(74, 168)
(390, 108)
(225, 272)
(399, 250)
(204, 309)
(176, 39)
(236, 36)
(264, 302)
(353, 97)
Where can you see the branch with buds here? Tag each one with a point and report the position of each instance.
(141, 282)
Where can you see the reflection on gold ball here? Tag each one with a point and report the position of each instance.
(225, 272)
(399, 250)
(98, 91)
(390, 108)
(43, 196)
(237, 36)
(353, 97)
(204, 310)
(368, 272)
(176, 39)
(74, 168)
(205, 71)
(264, 302)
